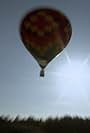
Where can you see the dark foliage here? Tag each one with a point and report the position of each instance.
(50, 125)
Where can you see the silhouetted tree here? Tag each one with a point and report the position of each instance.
(51, 125)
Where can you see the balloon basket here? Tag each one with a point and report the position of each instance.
(42, 73)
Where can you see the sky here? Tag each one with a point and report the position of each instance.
(65, 89)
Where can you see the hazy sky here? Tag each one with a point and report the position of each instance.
(65, 89)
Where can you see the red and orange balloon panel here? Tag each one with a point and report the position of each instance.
(45, 33)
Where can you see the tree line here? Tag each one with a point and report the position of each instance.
(66, 124)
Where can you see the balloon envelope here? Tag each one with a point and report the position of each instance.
(45, 33)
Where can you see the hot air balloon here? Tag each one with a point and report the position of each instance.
(45, 32)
